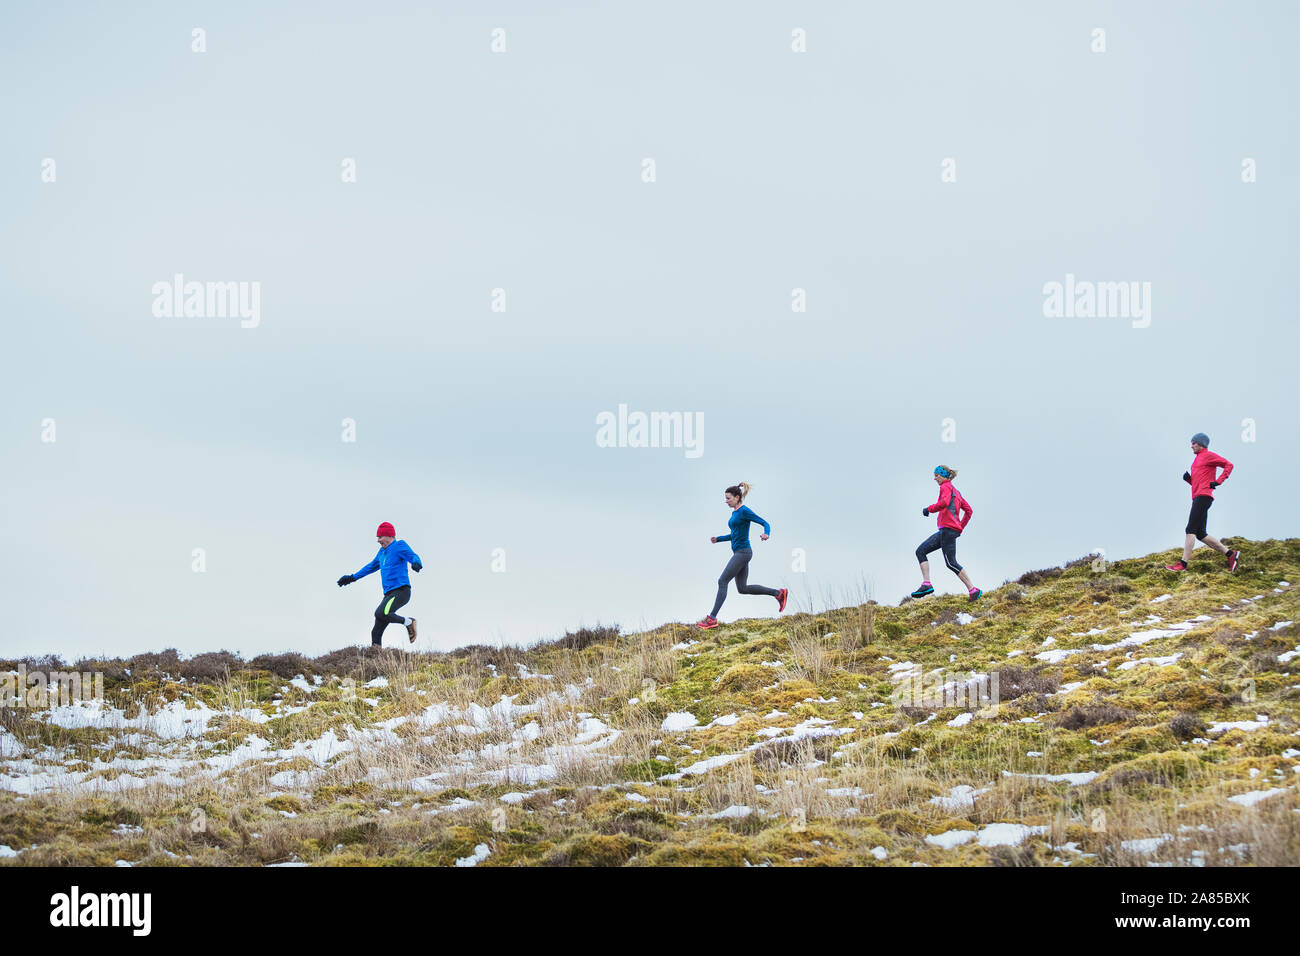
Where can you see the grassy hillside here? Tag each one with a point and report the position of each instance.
(1141, 718)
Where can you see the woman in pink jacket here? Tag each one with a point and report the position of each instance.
(1204, 477)
(954, 513)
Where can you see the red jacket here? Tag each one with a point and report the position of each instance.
(1203, 469)
(948, 506)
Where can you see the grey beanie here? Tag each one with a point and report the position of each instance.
(1202, 439)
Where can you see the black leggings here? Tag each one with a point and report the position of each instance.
(945, 538)
(1200, 512)
(384, 613)
(738, 568)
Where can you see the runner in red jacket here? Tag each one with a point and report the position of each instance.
(1204, 477)
(954, 513)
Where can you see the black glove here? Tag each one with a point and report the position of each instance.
(925, 512)
(346, 579)
(416, 566)
(1215, 484)
(1187, 477)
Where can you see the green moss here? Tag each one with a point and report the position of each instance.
(900, 821)
(331, 793)
(744, 677)
(287, 803)
(591, 849)
(110, 814)
(716, 848)
(648, 770)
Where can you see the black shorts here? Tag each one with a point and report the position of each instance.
(1200, 511)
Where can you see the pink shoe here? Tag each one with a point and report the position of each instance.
(1176, 566)
(709, 622)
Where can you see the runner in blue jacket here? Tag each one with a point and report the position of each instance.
(741, 554)
(390, 562)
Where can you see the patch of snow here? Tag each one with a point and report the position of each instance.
(1007, 834)
(480, 854)
(1055, 657)
(703, 766)
(1261, 720)
(725, 721)
(951, 838)
(678, 721)
(1073, 779)
(514, 797)
(959, 798)
(734, 812)
(1158, 661)
(1146, 844)
(1255, 796)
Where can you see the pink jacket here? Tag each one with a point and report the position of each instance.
(1204, 467)
(948, 506)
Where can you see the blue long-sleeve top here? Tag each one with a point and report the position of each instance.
(739, 524)
(391, 562)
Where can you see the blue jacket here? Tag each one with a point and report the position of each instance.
(391, 564)
(739, 524)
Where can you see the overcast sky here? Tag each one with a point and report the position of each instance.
(921, 172)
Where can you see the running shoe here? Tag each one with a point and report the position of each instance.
(923, 590)
(410, 630)
(709, 622)
(975, 594)
(1176, 566)
(1233, 556)
(780, 599)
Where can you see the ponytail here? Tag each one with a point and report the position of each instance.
(741, 490)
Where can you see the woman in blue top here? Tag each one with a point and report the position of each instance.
(741, 553)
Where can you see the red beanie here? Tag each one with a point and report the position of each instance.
(386, 530)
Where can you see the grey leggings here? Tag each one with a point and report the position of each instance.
(738, 568)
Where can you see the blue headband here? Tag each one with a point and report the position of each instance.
(942, 472)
